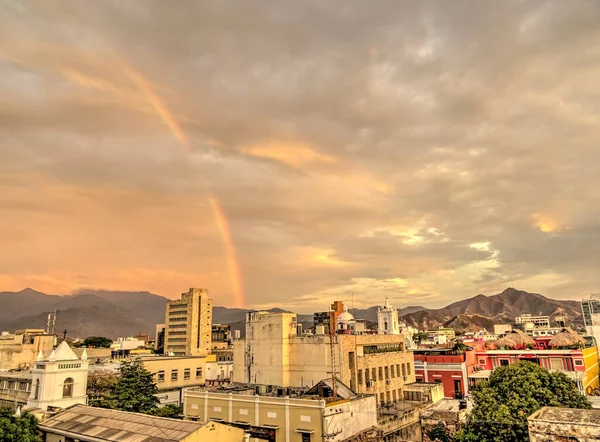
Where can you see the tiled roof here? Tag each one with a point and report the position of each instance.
(91, 423)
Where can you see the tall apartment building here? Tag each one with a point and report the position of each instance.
(588, 308)
(188, 324)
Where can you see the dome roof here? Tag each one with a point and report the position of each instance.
(345, 316)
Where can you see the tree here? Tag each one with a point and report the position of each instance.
(503, 404)
(169, 410)
(18, 428)
(459, 347)
(439, 433)
(97, 342)
(100, 385)
(133, 390)
(419, 337)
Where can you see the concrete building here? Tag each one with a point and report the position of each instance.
(15, 389)
(129, 343)
(188, 324)
(273, 354)
(329, 319)
(60, 380)
(19, 350)
(159, 338)
(537, 321)
(447, 332)
(90, 424)
(564, 424)
(444, 366)
(387, 319)
(451, 414)
(308, 418)
(589, 307)
(220, 337)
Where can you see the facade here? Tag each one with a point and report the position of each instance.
(589, 307)
(19, 350)
(174, 374)
(289, 419)
(60, 380)
(444, 366)
(452, 412)
(218, 372)
(387, 319)
(329, 319)
(220, 337)
(273, 354)
(188, 324)
(448, 333)
(564, 424)
(581, 365)
(15, 388)
(537, 321)
(90, 424)
(159, 338)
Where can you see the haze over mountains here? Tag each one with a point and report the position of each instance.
(112, 313)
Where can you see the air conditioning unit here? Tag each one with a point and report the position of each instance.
(388, 382)
(405, 378)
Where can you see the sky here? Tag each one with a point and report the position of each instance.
(294, 153)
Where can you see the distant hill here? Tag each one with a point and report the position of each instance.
(114, 314)
(484, 311)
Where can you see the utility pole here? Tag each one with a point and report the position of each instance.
(332, 350)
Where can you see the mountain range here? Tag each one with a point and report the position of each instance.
(114, 313)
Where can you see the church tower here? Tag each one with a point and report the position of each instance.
(387, 319)
(60, 380)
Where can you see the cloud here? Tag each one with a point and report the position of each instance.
(452, 147)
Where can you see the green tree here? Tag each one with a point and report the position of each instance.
(132, 390)
(439, 433)
(169, 410)
(459, 347)
(18, 428)
(96, 342)
(503, 404)
(419, 337)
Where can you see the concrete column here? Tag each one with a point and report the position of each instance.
(256, 410)
(287, 419)
(230, 407)
(205, 406)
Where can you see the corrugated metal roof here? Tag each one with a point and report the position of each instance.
(118, 426)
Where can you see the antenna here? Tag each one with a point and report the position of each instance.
(333, 384)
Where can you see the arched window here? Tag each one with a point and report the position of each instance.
(36, 391)
(68, 388)
(385, 325)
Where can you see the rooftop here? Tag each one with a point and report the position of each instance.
(448, 405)
(91, 423)
(572, 416)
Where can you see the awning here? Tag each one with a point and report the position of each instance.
(302, 430)
(481, 374)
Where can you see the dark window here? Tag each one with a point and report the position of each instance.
(68, 388)
(186, 374)
(360, 380)
(160, 376)
(174, 375)
(199, 372)
(503, 362)
(36, 393)
(305, 437)
(381, 373)
(387, 372)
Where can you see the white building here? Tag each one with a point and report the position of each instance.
(127, 344)
(537, 321)
(60, 380)
(387, 319)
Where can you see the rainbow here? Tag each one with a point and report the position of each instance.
(161, 110)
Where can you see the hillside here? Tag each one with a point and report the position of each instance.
(484, 311)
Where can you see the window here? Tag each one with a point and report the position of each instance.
(392, 371)
(403, 370)
(504, 362)
(174, 374)
(160, 376)
(36, 393)
(578, 362)
(408, 368)
(186, 374)
(374, 374)
(305, 437)
(360, 380)
(438, 381)
(398, 369)
(387, 372)
(385, 325)
(68, 388)
(481, 361)
(381, 398)
(381, 373)
(198, 372)
(389, 399)
(367, 375)
(394, 395)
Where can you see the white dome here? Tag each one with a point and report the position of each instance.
(345, 317)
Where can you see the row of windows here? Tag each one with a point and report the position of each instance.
(178, 319)
(382, 348)
(389, 396)
(386, 372)
(63, 366)
(178, 312)
(172, 326)
(177, 339)
(177, 333)
(187, 374)
(178, 305)
(15, 385)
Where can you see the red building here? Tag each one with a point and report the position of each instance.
(445, 366)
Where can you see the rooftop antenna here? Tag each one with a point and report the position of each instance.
(333, 382)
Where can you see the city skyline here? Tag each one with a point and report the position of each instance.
(298, 153)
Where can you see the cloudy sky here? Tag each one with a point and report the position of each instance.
(293, 153)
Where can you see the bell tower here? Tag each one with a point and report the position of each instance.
(60, 380)
(387, 319)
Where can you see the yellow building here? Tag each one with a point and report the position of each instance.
(590, 379)
(188, 324)
(91, 424)
(290, 419)
(18, 351)
(273, 354)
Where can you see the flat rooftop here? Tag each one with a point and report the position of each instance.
(448, 405)
(571, 416)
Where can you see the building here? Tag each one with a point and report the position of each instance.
(387, 319)
(348, 325)
(90, 424)
(15, 389)
(447, 367)
(580, 364)
(537, 321)
(60, 380)
(450, 413)
(564, 424)
(175, 373)
(273, 354)
(315, 416)
(218, 372)
(188, 324)
(19, 350)
(502, 329)
(448, 333)
(159, 339)
(589, 307)
(221, 336)
(329, 319)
